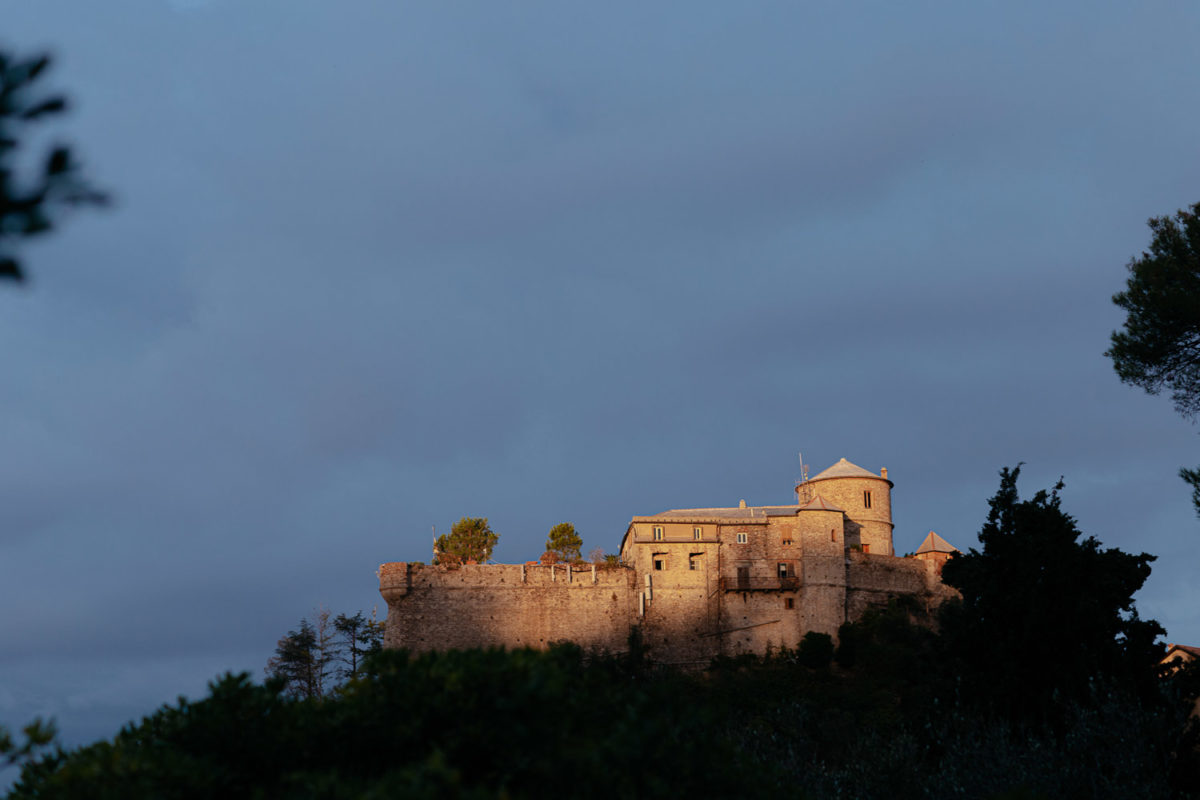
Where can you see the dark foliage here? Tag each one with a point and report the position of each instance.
(30, 204)
(356, 638)
(475, 724)
(816, 650)
(35, 736)
(311, 662)
(1159, 347)
(1045, 613)
(302, 662)
(1040, 684)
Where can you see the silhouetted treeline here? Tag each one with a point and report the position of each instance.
(1042, 682)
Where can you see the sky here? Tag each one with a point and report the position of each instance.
(375, 266)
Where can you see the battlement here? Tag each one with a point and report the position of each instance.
(400, 577)
(507, 605)
(699, 582)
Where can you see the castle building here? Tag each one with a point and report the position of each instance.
(936, 550)
(700, 582)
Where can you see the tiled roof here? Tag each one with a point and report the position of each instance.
(819, 503)
(720, 514)
(1187, 648)
(936, 544)
(844, 469)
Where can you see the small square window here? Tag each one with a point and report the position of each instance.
(789, 603)
(660, 564)
(658, 533)
(694, 562)
(741, 538)
(697, 533)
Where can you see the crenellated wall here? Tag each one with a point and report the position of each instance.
(700, 582)
(686, 616)
(506, 605)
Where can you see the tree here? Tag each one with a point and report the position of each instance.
(564, 542)
(1159, 347)
(1043, 613)
(357, 637)
(31, 206)
(471, 539)
(303, 658)
(36, 736)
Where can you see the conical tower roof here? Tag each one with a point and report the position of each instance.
(936, 544)
(819, 503)
(844, 469)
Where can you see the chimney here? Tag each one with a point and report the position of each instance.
(741, 504)
(883, 472)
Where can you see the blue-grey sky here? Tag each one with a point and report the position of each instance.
(375, 266)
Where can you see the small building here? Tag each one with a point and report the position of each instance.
(936, 550)
(1180, 655)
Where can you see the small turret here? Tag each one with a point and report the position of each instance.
(936, 550)
(866, 499)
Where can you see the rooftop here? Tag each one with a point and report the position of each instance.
(936, 544)
(819, 503)
(720, 514)
(844, 469)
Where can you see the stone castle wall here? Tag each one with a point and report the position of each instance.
(874, 580)
(506, 605)
(700, 582)
(687, 620)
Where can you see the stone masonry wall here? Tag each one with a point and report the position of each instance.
(872, 526)
(506, 605)
(873, 580)
(688, 617)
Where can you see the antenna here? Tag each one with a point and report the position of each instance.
(803, 490)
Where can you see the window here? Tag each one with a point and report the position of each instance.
(866, 548)
(697, 533)
(789, 603)
(694, 562)
(658, 533)
(741, 538)
(866, 499)
(786, 541)
(783, 569)
(660, 563)
(833, 534)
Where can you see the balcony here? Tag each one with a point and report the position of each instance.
(743, 584)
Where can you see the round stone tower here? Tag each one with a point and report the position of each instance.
(864, 496)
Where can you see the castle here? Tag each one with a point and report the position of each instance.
(700, 582)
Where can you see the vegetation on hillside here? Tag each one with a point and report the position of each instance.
(1043, 682)
(324, 652)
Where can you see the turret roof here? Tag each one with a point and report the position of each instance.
(936, 544)
(844, 469)
(819, 503)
